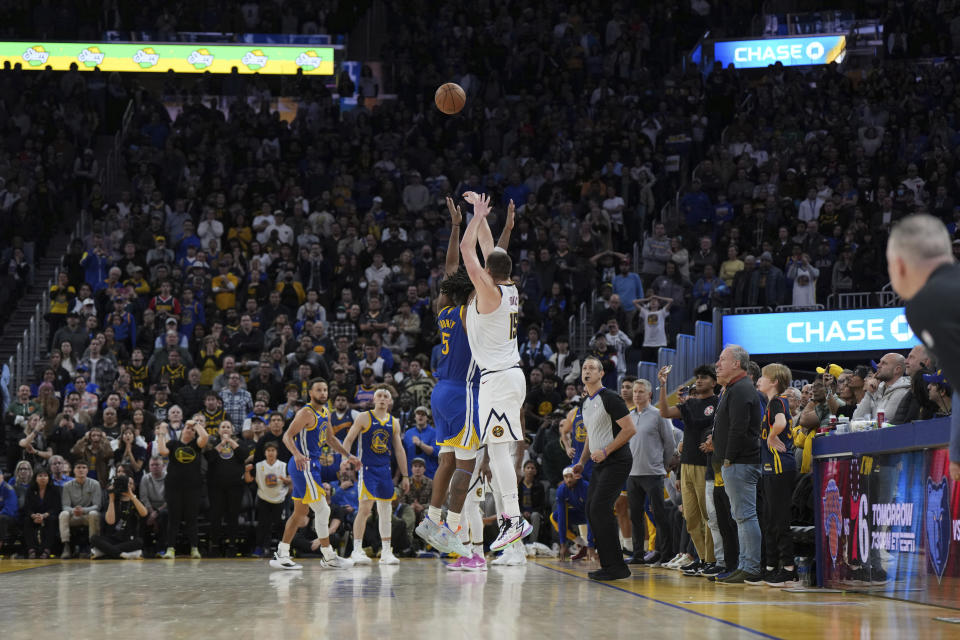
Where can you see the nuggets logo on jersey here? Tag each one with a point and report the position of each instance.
(498, 431)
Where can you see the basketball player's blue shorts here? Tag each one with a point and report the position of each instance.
(307, 484)
(454, 408)
(376, 483)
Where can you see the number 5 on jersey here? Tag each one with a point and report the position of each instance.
(445, 338)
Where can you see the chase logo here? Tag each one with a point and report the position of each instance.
(787, 51)
(820, 331)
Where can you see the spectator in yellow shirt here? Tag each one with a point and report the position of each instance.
(224, 287)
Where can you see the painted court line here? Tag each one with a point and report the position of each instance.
(666, 604)
(776, 604)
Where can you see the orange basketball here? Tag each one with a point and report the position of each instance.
(450, 98)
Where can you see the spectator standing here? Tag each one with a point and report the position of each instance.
(736, 437)
(652, 448)
(182, 485)
(237, 402)
(272, 487)
(779, 471)
(225, 471)
(697, 413)
(653, 319)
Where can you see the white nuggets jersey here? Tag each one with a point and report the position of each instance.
(493, 336)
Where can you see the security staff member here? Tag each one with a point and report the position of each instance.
(922, 271)
(609, 429)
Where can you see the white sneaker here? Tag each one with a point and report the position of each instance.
(683, 561)
(512, 556)
(359, 557)
(427, 530)
(511, 530)
(132, 555)
(670, 564)
(387, 557)
(96, 553)
(336, 562)
(284, 562)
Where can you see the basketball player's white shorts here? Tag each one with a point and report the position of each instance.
(501, 399)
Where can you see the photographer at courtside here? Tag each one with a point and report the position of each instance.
(123, 517)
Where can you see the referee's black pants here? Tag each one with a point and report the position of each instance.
(608, 480)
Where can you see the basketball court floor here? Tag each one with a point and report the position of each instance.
(239, 599)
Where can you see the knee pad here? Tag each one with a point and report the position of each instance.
(321, 519)
(465, 454)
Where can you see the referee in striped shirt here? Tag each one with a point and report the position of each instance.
(609, 429)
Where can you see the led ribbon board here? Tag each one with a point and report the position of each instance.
(790, 52)
(820, 331)
(160, 58)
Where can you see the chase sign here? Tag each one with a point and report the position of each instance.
(790, 52)
(820, 331)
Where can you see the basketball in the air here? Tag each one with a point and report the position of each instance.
(450, 98)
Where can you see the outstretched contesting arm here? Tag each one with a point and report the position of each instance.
(488, 296)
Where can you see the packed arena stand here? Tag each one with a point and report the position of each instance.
(248, 255)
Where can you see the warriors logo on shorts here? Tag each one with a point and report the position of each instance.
(498, 431)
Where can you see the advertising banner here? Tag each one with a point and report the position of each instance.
(790, 52)
(891, 524)
(160, 58)
(820, 331)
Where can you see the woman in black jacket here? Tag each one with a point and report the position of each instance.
(41, 515)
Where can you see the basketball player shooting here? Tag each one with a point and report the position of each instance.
(491, 322)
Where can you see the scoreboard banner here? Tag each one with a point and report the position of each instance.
(813, 332)
(161, 58)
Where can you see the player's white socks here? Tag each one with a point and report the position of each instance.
(504, 477)
(357, 545)
(453, 520)
(478, 548)
(434, 513)
(387, 548)
(283, 550)
(328, 553)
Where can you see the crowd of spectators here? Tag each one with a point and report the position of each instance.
(248, 254)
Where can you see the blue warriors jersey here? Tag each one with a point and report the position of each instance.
(341, 423)
(311, 439)
(578, 438)
(376, 442)
(363, 394)
(456, 360)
